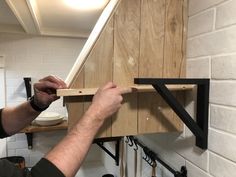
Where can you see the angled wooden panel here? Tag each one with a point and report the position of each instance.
(151, 62)
(174, 49)
(98, 67)
(89, 45)
(126, 54)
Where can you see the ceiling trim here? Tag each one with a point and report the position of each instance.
(22, 13)
(32, 5)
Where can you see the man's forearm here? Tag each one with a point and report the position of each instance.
(16, 118)
(71, 151)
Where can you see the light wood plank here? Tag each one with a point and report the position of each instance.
(151, 63)
(135, 88)
(126, 54)
(98, 68)
(36, 128)
(75, 109)
(174, 61)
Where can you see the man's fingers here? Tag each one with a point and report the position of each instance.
(126, 90)
(56, 80)
(109, 85)
(46, 85)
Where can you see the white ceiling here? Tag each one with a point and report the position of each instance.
(48, 17)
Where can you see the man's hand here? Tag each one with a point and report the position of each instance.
(45, 90)
(106, 101)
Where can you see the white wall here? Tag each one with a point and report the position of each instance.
(2, 101)
(211, 53)
(38, 57)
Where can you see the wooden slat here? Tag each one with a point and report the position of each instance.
(36, 128)
(98, 68)
(75, 109)
(126, 54)
(151, 62)
(174, 61)
(141, 88)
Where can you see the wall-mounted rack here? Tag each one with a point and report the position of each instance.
(152, 157)
(198, 128)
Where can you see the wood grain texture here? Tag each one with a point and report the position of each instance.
(126, 54)
(98, 68)
(151, 63)
(75, 109)
(174, 61)
(134, 88)
(36, 128)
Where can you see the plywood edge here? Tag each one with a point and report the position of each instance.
(142, 88)
(101, 23)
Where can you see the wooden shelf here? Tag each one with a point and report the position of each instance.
(142, 88)
(36, 128)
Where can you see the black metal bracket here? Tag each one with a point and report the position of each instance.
(29, 137)
(198, 128)
(152, 156)
(100, 142)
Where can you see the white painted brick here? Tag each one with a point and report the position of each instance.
(187, 149)
(23, 152)
(222, 92)
(226, 15)
(223, 67)
(220, 167)
(196, 6)
(11, 152)
(206, 19)
(194, 171)
(17, 145)
(21, 137)
(222, 144)
(11, 138)
(199, 68)
(34, 159)
(223, 118)
(218, 42)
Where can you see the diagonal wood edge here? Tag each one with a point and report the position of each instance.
(101, 23)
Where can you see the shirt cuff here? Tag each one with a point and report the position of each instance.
(46, 168)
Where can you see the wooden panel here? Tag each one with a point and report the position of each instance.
(174, 49)
(126, 54)
(174, 61)
(151, 63)
(98, 68)
(75, 109)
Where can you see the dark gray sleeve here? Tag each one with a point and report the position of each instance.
(43, 168)
(3, 134)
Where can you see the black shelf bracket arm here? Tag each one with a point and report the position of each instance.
(100, 142)
(198, 128)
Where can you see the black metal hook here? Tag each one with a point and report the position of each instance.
(136, 145)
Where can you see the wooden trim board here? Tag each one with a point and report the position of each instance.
(144, 88)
